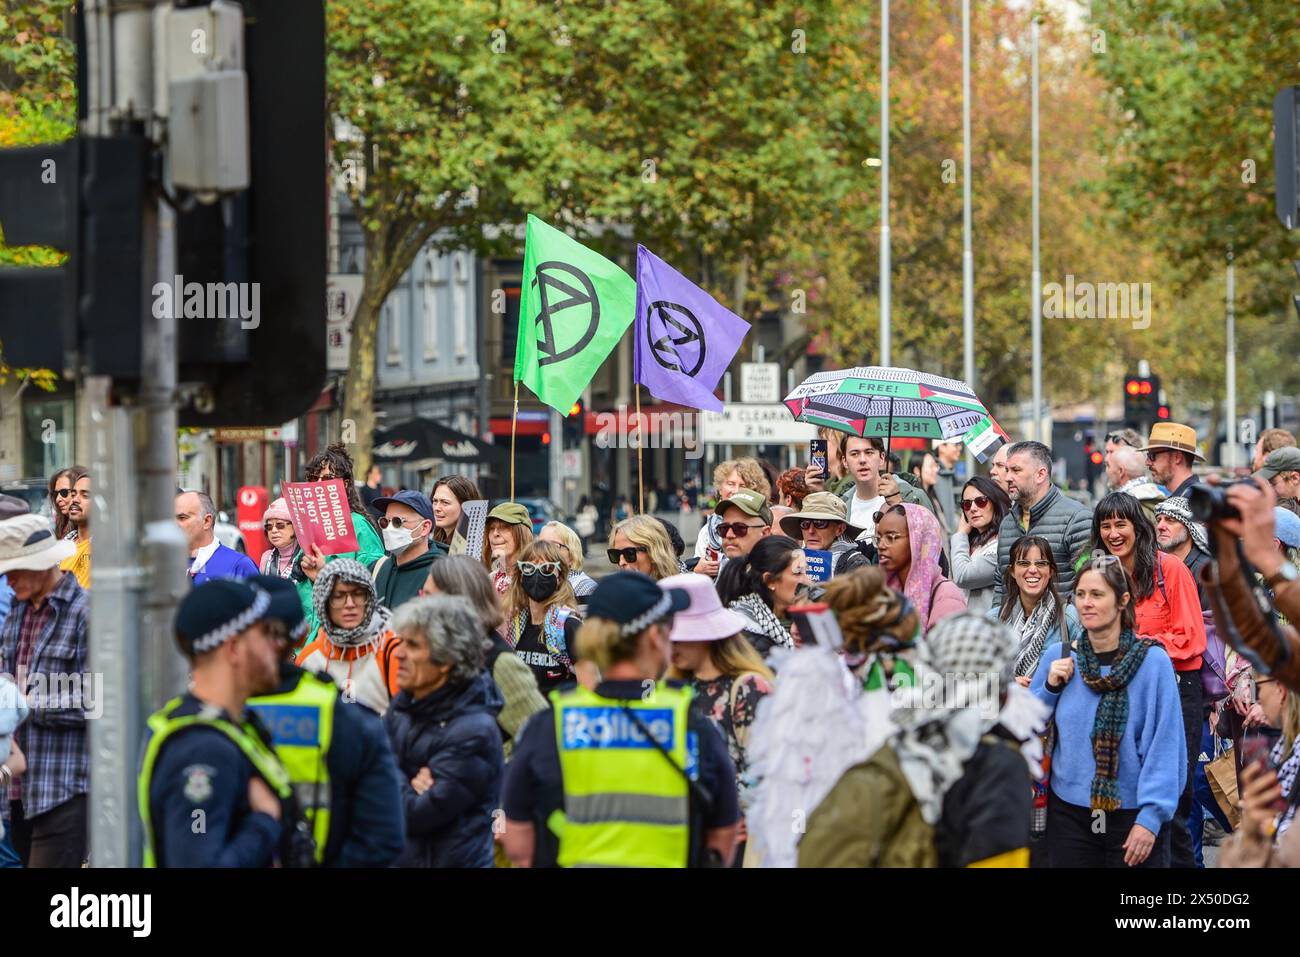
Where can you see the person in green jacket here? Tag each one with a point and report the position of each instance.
(407, 527)
(335, 463)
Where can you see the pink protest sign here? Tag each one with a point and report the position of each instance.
(321, 516)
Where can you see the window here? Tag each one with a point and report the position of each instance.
(429, 292)
(393, 327)
(460, 302)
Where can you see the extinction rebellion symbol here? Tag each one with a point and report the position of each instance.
(675, 335)
(558, 292)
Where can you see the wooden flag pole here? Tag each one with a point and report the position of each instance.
(514, 419)
(640, 444)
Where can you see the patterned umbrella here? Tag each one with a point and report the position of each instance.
(889, 402)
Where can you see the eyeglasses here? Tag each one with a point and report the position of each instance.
(735, 529)
(1041, 564)
(818, 523)
(979, 501)
(276, 526)
(545, 568)
(341, 598)
(398, 522)
(1102, 561)
(627, 554)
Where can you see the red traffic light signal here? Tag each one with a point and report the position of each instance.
(1096, 457)
(1162, 412)
(576, 410)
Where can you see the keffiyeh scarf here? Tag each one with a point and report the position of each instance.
(1287, 767)
(763, 620)
(373, 625)
(1032, 631)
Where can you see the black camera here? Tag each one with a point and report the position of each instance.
(1209, 503)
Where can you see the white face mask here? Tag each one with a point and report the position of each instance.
(396, 539)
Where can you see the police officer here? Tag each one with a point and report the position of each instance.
(211, 792)
(336, 752)
(627, 774)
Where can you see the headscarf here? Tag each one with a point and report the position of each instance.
(375, 622)
(1178, 509)
(926, 545)
(957, 697)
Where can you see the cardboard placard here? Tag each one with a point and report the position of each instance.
(321, 516)
(820, 564)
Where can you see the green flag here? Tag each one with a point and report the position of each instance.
(574, 307)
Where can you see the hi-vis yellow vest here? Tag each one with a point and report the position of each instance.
(301, 723)
(624, 805)
(163, 726)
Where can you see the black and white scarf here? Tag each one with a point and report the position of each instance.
(1032, 632)
(762, 620)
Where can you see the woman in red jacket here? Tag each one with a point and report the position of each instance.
(1168, 611)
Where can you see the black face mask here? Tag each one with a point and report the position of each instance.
(539, 587)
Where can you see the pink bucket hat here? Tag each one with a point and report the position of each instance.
(278, 510)
(704, 619)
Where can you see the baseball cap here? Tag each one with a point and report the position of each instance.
(750, 502)
(216, 611)
(285, 604)
(416, 501)
(1285, 459)
(512, 513)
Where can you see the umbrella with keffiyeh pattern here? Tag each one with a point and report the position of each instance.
(889, 402)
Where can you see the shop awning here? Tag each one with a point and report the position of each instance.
(421, 439)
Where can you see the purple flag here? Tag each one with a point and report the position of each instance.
(684, 340)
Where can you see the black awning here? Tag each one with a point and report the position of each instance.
(421, 438)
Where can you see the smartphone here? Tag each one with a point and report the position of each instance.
(817, 454)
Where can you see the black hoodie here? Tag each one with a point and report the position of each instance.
(397, 584)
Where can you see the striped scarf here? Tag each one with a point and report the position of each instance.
(1112, 711)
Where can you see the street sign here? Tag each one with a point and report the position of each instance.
(760, 382)
(572, 463)
(754, 425)
(342, 294)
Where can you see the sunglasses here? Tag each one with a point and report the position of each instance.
(817, 523)
(892, 510)
(1117, 439)
(627, 554)
(398, 522)
(735, 529)
(545, 568)
(276, 526)
(63, 492)
(979, 501)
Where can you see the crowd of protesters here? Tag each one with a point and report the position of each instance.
(505, 708)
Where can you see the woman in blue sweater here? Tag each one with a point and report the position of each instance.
(1118, 755)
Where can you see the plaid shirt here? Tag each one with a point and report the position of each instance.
(55, 737)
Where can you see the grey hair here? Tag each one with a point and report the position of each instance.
(462, 575)
(572, 543)
(1037, 451)
(206, 505)
(1130, 461)
(450, 628)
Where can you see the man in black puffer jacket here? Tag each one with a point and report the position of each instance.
(1065, 523)
(443, 729)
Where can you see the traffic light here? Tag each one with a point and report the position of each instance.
(1142, 400)
(1093, 459)
(573, 424)
(260, 249)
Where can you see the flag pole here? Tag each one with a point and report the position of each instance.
(640, 444)
(514, 418)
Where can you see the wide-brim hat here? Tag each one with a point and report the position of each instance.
(704, 618)
(820, 505)
(27, 543)
(1172, 435)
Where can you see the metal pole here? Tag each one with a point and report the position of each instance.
(1231, 364)
(967, 256)
(726, 401)
(1036, 279)
(556, 459)
(1270, 409)
(886, 332)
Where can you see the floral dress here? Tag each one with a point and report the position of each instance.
(732, 703)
